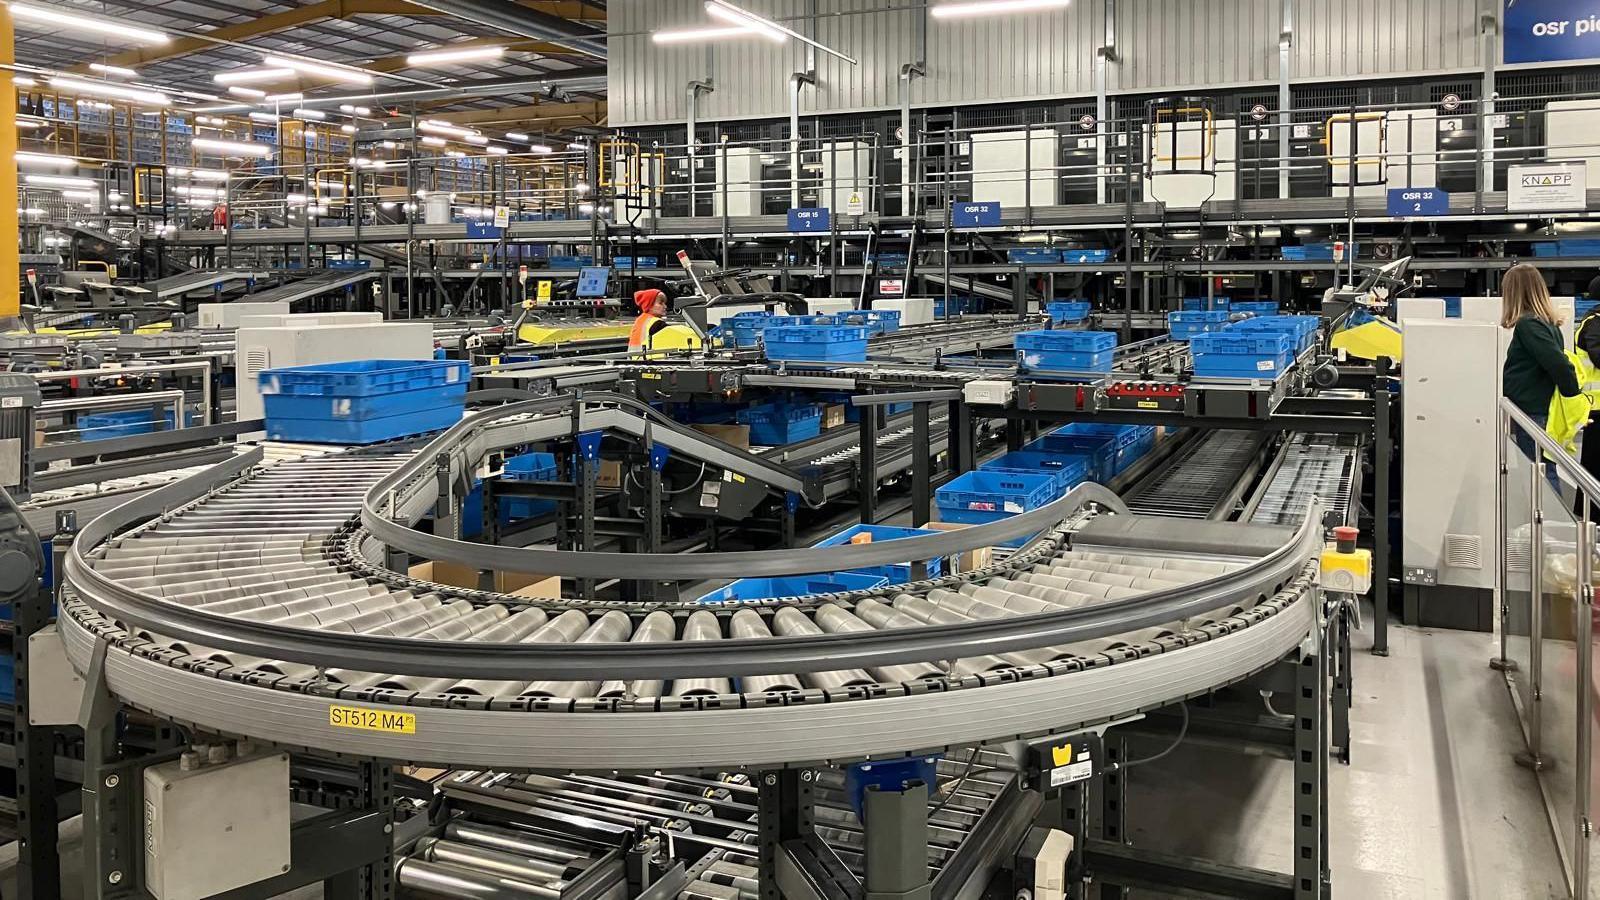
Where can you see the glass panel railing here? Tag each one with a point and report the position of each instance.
(1516, 627)
(1560, 571)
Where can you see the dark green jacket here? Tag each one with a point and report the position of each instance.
(1536, 367)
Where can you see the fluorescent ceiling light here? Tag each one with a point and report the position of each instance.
(46, 159)
(315, 114)
(438, 126)
(389, 145)
(456, 154)
(208, 174)
(727, 12)
(498, 151)
(80, 195)
(23, 81)
(240, 76)
(263, 117)
(119, 71)
(354, 110)
(516, 136)
(433, 140)
(577, 145)
(448, 56)
(252, 93)
(285, 98)
(694, 35)
(479, 139)
(61, 20)
(542, 148)
(28, 124)
(334, 73)
(993, 8)
(348, 129)
(102, 89)
(232, 148)
(58, 181)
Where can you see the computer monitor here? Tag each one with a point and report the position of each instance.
(592, 282)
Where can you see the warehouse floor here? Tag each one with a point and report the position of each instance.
(1431, 805)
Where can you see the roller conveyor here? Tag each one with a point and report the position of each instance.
(1202, 481)
(1311, 465)
(285, 566)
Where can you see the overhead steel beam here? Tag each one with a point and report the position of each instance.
(592, 112)
(515, 19)
(572, 79)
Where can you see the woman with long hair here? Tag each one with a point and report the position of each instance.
(1536, 365)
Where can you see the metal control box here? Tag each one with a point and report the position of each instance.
(228, 315)
(216, 827)
(19, 404)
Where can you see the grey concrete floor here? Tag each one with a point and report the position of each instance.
(1431, 805)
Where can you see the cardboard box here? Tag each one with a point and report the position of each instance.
(610, 474)
(833, 416)
(980, 558)
(737, 435)
(519, 584)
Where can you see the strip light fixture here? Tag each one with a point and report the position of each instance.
(313, 114)
(516, 136)
(232, 148)
(61, 20)
(116, 91)
(252, 93)
(354, 110)
(285, 98)
(46, 159)
(437, 126)
(694, 35)
(349, 75)
(244, 76)
(118, 71)
(446, 56)
(993, 8)
(733, 15)
(59, 181)
(432, 140)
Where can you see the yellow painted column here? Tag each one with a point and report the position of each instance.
(10, 246)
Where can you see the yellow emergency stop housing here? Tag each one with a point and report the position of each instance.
(1346, 573)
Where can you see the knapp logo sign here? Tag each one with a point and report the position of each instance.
(1547, 187)
(1554, 179)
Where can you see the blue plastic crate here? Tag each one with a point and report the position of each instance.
(895, 573)
(1085, 256)
(959, 306)
(1198, 304)
(1318, 252)
(1256, 307)
(123, 423)
(363, 402)
(1068, 470)
(1066, 361)
(1098, 451)
(531, 467)
(746, 327)
(1263, 354)
(1067, 311)
(1121, 435)
(776, 424)
(363, 378)
(643, 262)
(746, 589)
(1302, 329)
(1452, 307)
(838, 343)
(981, 497)
(1185, 325)
(879, 321)
(1075, 341)
(1033, 255)
(571, 262)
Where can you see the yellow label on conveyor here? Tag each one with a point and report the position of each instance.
(372, 719)
(1149, 404)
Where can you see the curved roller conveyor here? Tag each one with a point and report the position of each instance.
(252, 600)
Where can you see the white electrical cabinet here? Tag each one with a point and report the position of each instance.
(228, 315)
(216, 827)
(913, 310)
(1451, 386)
(302, 345)
(738, 182)
(846, 173)
(1015, 168)
(1572, 129)
(309, 319)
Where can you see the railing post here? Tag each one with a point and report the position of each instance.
(1584, 630)
(1533, 759)
(1501, 495)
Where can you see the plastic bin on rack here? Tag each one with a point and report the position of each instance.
(746, 328)
(816, 343)
(746, 589)
(1066, 351)
(1068, 311)
(1199, 304)
(1302, 329)
(1068, 469)
(777, 424)
(1255, 307)
(980, 497)
(528, 467)
(1318, 252)
(363, 402)
(1033, 256)
(1185, 325)
(1242, 354)
(104, 426)
(1129, 442)
(879, 321)
(894, 573)
(1085, 256)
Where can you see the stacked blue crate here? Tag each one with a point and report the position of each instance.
(981, 497)
(1242, 354)
(1185, 325)
(363, 402)
(1066, 351)
(892, 574)
(1066, 312)
(816, 343)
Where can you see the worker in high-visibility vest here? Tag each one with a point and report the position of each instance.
(1586, 359)
(651, 331)
(652, 305)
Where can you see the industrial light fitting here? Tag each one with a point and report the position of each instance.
(313, 114)
(241, 76)
(727, 12)
(447, 56)
(695, 35)
(252, 93)
(61, 20)
(993, 8)
(346, 74)
(58, 181)
(232, 148)
(118, 71)
(46, 159)
(516, 136)
(116, 91)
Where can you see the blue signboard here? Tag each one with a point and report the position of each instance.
(482, 230)
(1411, 202)
(809, 219)
(1551, 30)
(977, 214)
